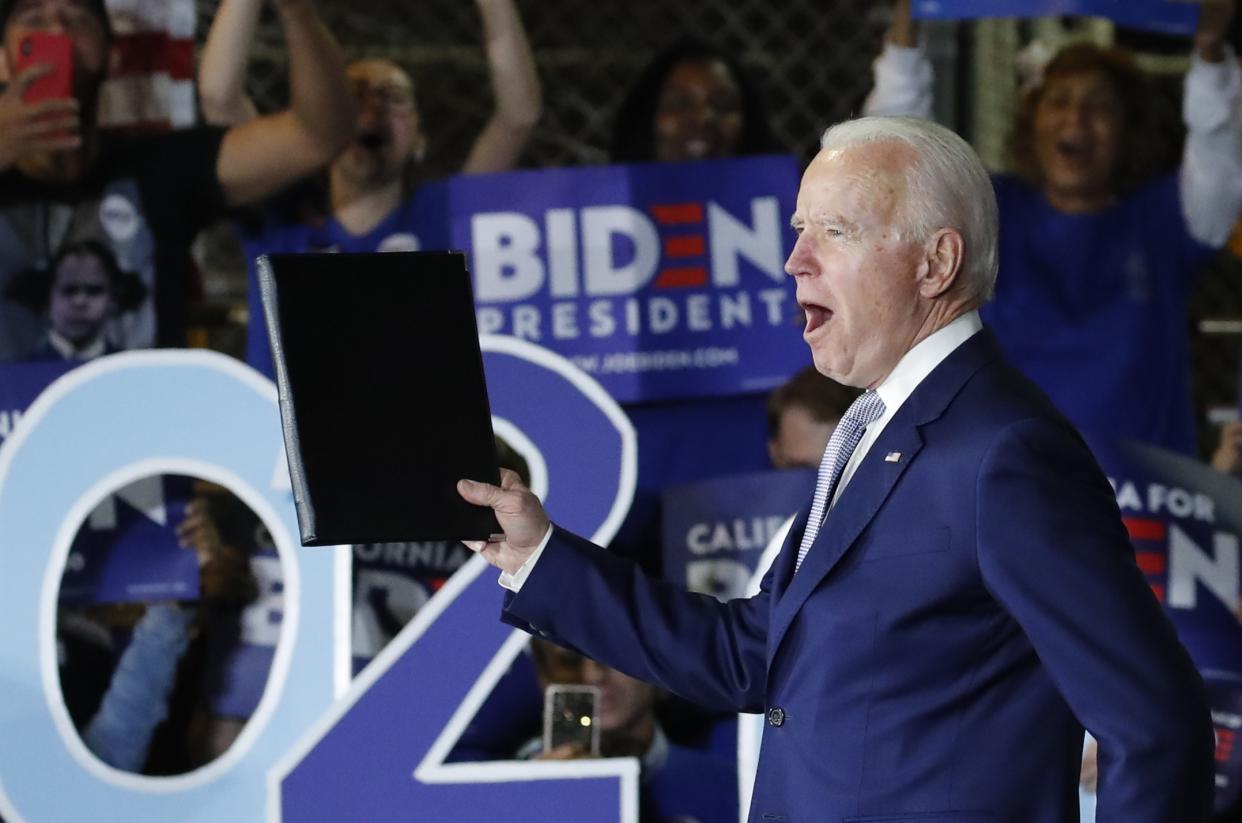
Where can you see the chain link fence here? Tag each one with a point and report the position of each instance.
(809, 59)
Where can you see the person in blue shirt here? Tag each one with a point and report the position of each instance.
(371, 202)
(1099, 248)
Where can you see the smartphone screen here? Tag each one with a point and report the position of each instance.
(570, 715)
(55, 50)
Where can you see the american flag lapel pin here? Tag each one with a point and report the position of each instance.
(892, 457)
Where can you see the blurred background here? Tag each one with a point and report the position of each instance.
(811, 61)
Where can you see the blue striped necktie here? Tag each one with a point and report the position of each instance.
(865, 410)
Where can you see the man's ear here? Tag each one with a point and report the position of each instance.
(941, 263)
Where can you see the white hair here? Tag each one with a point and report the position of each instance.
(947, 188)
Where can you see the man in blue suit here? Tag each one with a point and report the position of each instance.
(931, 649)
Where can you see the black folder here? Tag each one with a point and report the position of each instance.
(382, 397)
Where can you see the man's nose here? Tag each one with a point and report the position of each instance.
(702, 113)
(796, 263)
(369, 106)
(1076, 113)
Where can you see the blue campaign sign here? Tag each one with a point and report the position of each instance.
(715, 531)
(1225, 697)
(1166, 16)
(392, 583)
(98, 428)
(20, 384)
(1185, 520)
(660, 280)
(380, 752)
(128, 550)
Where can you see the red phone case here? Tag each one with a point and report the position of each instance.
(55, 50)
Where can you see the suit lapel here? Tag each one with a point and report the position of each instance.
(871, 484)
(855, 508)
(782, 567)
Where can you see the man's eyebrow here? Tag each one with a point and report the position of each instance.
(835, 220)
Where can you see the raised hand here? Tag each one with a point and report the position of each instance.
(520, 514)
(1228, 455)
(903, 31)
(224, 572)
(35, 128)
(1215, 17)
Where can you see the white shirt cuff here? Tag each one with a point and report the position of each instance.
(513, 582)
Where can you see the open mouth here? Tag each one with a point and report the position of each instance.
(1077, 152)
(373, 140)
(703, 143)
(816, 316)
(699, 149)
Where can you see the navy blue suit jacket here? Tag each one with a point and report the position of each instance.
(971, 602)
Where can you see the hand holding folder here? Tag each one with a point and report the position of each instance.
(382, 395)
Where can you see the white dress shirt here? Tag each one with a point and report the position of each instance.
(893, 390)
(904, 379)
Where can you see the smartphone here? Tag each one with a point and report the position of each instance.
(55, 50)
(571, 715)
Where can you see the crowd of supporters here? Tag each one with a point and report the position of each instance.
(1100, 248)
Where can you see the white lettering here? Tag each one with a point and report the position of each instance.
(565, 321)
(760, 243)
(1178, 502)
(506, 260)
(775, 301)
(661, 315)
(490, 320)
(735, 310)
(602, 322)
(562, 229)
(632, 319)
(600, 224)
(526, 322)
(736, 535)
(698, 312)
(1128, 498)
(1188, 565)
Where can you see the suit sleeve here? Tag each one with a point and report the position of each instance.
(605, 607)
(1053, 551)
